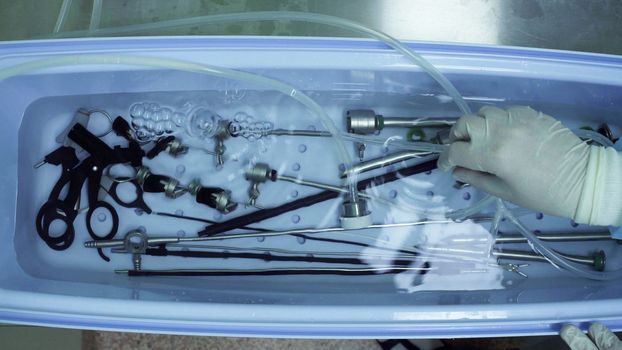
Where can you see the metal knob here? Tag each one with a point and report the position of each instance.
(135, 243)
(258, 173)
(176, 148)
(362, 121)
(221, 135)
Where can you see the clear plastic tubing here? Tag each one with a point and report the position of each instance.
(96, 14)
(292, 16)
(62, 16)
(397, 143)
(72, 60)
(462, 214)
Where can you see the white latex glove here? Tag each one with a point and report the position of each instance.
(601, 338)
(531, 159)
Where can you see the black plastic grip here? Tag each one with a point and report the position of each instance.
(204, 196)
(122, 128)
(91, 143)
(98, 148)
(155, 183)
(132, 154)
(162, 251)
(64, 155)
(160, 146)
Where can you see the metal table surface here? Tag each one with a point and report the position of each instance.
(580, 25)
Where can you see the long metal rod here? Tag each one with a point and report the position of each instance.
(310, 231)
(323, 186)
(397, 122)
(594, 260)
(510, 238)
(503, 254)
(423, 147)
(165, 240)
(314, 184)
(315, 253)
(381, 162)
(511, 255)
(289, 251)
(275, 271)
(310, 133)
(555, 237)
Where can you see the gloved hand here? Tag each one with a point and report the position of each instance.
(601, 338)
(531, 159)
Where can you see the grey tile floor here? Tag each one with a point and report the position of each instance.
(113, 340)
(28, 337)
(93, 340)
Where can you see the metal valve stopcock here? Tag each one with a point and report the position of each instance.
(259, 173)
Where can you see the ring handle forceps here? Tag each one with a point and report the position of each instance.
(90, 170)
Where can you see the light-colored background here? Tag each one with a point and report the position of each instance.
(581, 25)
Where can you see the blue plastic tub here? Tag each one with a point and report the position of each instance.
(73, 288)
